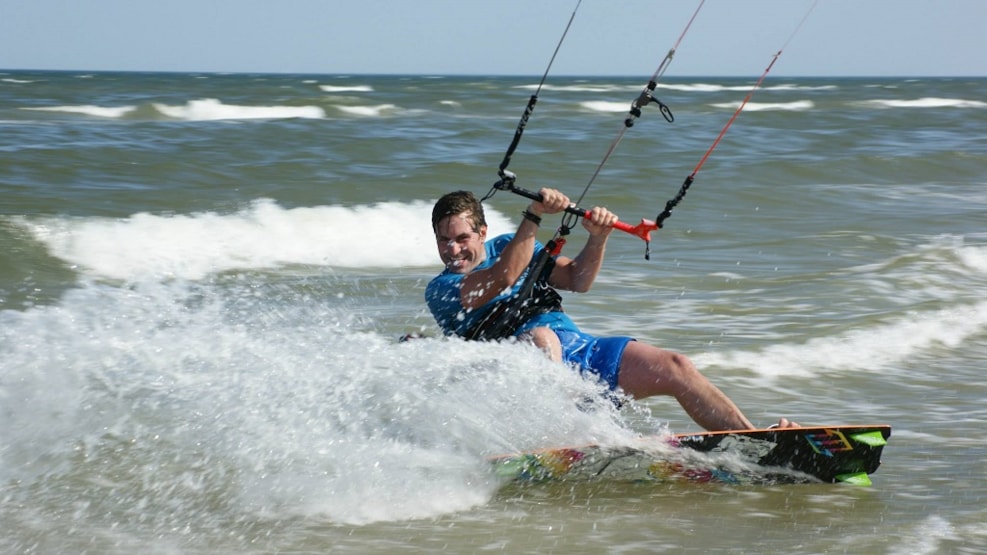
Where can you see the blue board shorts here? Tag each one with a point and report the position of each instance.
(599, 356)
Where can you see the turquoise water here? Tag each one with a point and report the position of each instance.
(202, 278)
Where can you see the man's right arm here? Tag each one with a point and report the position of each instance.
(482, 286)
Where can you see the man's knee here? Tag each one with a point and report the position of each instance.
(679, 362)
(658, 359)
(546, 340)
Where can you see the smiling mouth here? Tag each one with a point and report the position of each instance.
(456, 264)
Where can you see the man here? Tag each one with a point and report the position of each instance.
(479, 273)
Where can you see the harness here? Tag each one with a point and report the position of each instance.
(534, 297)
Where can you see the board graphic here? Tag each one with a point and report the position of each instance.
(769, 456)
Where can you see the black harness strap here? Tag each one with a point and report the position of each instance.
(534, 297)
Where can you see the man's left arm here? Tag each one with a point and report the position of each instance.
(578, 274)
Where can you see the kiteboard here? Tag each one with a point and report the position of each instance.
(818, 454)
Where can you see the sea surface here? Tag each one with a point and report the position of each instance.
(203, 278)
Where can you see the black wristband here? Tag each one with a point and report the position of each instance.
(532, 217)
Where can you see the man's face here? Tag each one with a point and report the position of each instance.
(460, 248)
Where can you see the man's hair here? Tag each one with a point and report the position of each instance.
(455, 203)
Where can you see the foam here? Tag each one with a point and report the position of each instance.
(210, 109)
(263, 235)
(795, 106)
(927, 102)
(89, 110)
(369, 111)
(880, 348)
(605, 106)
(348, 88)
(172, 388)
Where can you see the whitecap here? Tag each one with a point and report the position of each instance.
(372, 111)
(795, 106)
(262, 236)
(89, 110)
(210, 109)
(346, 88)
(927, 102)
(606, 106)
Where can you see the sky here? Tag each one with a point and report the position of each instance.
(498, 37)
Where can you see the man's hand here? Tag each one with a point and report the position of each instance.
(600, 221)
(552, 202)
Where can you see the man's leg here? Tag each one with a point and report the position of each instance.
(546, 340)
(647, 370)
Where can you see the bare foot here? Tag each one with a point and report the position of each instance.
(785, 423)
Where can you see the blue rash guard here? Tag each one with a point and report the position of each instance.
(600, 356)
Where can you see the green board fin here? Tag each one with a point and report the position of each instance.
(874, 439)
(855, 479)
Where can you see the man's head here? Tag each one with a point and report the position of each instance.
(460, 229)
(456, 203)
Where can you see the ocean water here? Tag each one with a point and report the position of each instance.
(203, 278)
